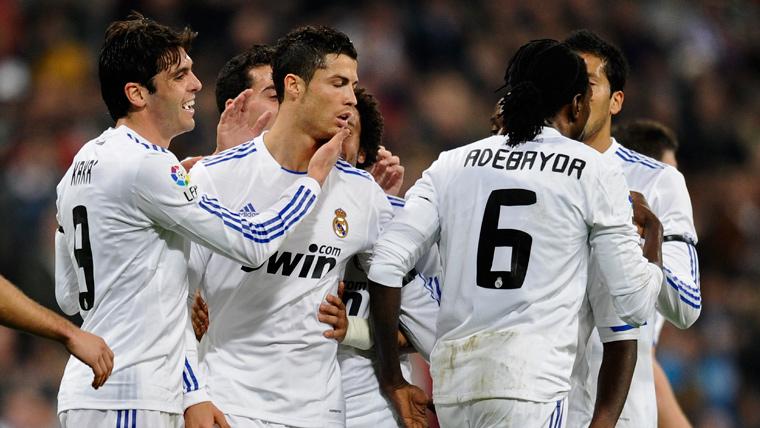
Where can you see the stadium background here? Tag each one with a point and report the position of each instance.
(434, 65)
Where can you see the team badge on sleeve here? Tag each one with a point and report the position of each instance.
(179, 176)
(340, 224)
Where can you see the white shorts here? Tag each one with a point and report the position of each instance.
(236, 421)
(131, 418)
(369, 410)
(502, 412)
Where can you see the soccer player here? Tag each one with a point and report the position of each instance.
(127, 212)
(665, 190)
(657, 141)
(515, 216)
(265, 354)
(20, 312)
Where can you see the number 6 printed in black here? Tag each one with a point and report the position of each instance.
(492, 237)
(83, 255)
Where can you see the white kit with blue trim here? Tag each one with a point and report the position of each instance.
(127, 212)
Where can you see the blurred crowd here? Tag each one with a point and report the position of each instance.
(435, 66)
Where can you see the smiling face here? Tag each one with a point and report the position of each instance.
(329, 100)
(172, 105)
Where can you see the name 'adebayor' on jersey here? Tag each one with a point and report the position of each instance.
(510, 160)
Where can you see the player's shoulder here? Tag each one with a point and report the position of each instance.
(234, 155)
(349, 172)
(640, 163)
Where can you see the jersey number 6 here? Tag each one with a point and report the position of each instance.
(491, 237)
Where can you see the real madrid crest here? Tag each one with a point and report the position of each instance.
(340, 224)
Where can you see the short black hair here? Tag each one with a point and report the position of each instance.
(371, 135)
(615, 64)
(136, 50)
(647, 137)
(542, 77)
(234, 76)
(303, 50)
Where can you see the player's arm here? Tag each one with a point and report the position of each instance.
(669, 413)
(163, 192)
(66, 285)
(619, 354)
(680, 299)
(20, 312)
(410, 235)
(633, 278)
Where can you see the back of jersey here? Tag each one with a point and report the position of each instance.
(514, 240)
(124, 274)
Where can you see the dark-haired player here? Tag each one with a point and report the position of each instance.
(127, 213)
(265, 354)
(679, 299)
(515, 216)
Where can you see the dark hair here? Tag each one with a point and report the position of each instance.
(647, 137)
(542, 77)
(615, 64)
(303, 51)
(136, 50)
(234, 76)
(371, 135)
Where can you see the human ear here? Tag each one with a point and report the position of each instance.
(294, 86)
(136, 94)
(616, 102)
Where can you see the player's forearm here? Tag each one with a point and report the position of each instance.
(615, 374)
(384, 309)
(20, 312)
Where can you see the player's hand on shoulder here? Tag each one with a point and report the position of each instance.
(410, 403)
(93, 351)
(333, 311)
(204, 415)
(199, 316)
(388, 172)
(325, 157)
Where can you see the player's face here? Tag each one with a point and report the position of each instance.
(600, 116)
(172, 105)
(578, 129)
(351, 148)
(329, 99)
(264, 97)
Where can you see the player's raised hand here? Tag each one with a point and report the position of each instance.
(233, 128)
(388, 172)
(325, 157)
(205, 415)
(199, 315)
(93, 351)
(410, 403)
(333, 312)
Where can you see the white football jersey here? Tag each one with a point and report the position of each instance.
(514, 226)
(264, 353)
(679, 299)
(419, 311)
(126, 209)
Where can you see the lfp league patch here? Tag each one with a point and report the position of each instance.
(179, 176)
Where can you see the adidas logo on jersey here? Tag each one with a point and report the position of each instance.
(315, 265)
(248, 211)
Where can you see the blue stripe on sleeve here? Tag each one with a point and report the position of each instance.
(118, 419)
(619, 328)
(192, 375)
(134, 418)
(238, 152)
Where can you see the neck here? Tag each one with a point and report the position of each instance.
(289, 145)
(146, 128)
(600, 140)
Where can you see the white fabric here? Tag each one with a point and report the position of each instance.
(664, 188)
(119, 419)
(579, 200)
(141, 211)
(264, 353)
(500, 412)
